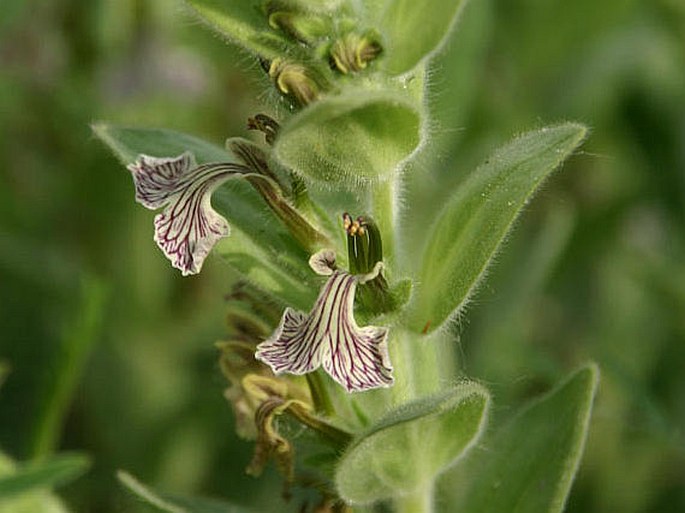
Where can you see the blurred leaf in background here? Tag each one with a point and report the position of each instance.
(111, 352)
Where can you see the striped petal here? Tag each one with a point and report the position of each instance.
(188, 227)
(355, 357)
(323, 262)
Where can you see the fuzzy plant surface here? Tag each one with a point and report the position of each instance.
(340, 342)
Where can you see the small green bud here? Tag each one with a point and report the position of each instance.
(294, 79)
(353, 52)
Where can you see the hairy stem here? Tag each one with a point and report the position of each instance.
(419, 501)
(320, 397)
(339, 437)
(384, 204)
(421, 364)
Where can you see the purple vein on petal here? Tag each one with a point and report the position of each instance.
(188, 227)
(329, 336)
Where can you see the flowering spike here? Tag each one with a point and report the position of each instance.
(355, 357)
(188, 227)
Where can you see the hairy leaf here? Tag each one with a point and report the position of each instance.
(478, 217)
(414, 29)
(353, 138)
(413, 444)
(530, 465)
(243, 23)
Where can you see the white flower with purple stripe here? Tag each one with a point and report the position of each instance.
(188, 227)
(355, 357)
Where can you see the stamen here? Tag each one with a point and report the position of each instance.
(329, 336)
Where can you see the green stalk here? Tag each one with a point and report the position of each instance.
(418, 360)
(420, 367)
(420, 364)
(420, 501)
(320, 397)
(384, 208)
(339, 437)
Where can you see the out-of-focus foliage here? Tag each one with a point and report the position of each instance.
(111, 352)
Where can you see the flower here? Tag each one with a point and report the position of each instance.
(189, 227)
(355, 357)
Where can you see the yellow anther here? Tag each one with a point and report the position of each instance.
(347, 221)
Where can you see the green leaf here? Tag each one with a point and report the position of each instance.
(478, 217)
(356, 137)
(413, 30)
(77, 339)
(171, 504)
(413, 444)
(25, 497)
(427, 179)
(39, 501)
(244, 24)
(530, 465)
(22, 479)
(285, 277)
(259, 247)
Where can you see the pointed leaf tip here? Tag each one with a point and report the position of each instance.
(243, 23)
(415, 29)
(478, 217)
(530, 464)
(54, 472)
(173, 504)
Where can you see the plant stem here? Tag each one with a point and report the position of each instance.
(421, 368)
(419, 363)
(322, 401)
(384, 213)
(419, 501)
(338, 436)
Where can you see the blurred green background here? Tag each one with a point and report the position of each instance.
(110, 351)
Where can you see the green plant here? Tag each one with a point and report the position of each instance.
(348, 118)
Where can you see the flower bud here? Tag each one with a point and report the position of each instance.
(294, 79)
(353, 52)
